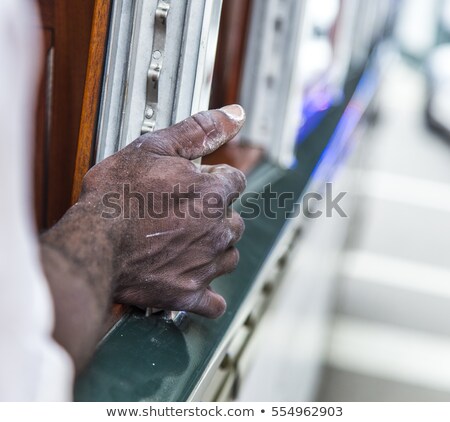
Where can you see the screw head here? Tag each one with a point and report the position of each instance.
(149, 113)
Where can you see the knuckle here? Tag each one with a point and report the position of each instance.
(233, 260)
(224, 239)
(241, 180)
(88, 181)
(235, 177)
(153, 143)
(191, 286)
(234, 183)
(207, 124)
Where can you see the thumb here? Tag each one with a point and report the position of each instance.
(198, 135)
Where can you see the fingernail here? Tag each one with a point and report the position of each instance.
(234, 112)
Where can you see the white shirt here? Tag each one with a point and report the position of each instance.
(32, 365)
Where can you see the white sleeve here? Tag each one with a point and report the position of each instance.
(32, 365)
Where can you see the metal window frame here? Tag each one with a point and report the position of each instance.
(270, 92)
(185, 79)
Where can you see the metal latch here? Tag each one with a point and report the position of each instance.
(153, 75)
(156, 63)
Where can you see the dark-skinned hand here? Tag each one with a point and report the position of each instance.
(112, 246)
(167, 260)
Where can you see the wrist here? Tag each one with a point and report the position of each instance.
(85, 239)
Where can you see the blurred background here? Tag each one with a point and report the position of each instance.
(387, 337)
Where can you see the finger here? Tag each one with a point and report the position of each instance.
(232, 180)
(198, 135)
(227, 262)
(210, 304)
(237, 227)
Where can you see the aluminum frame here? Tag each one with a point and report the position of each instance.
(185, 80)
(271, 88)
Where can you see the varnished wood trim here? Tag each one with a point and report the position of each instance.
(92, 93)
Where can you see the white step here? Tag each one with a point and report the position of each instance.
(391, 353)
(395, 291)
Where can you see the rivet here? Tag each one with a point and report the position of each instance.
(149, 113)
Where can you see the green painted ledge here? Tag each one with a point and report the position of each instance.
(149, 359)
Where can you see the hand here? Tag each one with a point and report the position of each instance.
(104, 250)
(167, 259)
